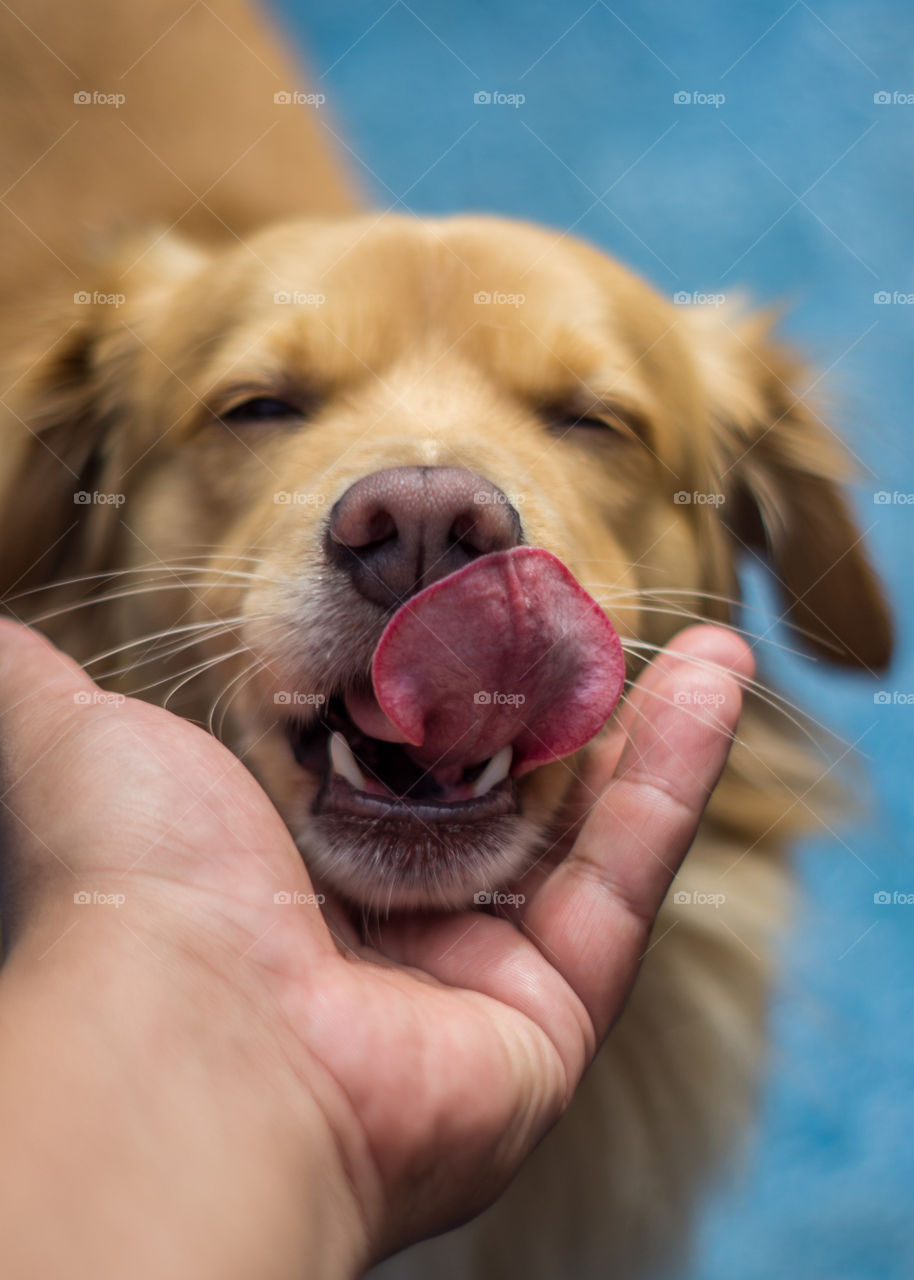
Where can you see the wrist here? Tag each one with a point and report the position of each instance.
(140, 1077)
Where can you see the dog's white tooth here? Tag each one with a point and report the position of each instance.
(495, 771)
(343, 762)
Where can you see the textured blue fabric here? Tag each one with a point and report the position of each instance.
(799, 187)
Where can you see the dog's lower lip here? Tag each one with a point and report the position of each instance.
(323, 750)
(337, 796)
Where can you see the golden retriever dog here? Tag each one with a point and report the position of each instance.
(246, 422)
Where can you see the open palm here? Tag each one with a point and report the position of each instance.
(440, 1053)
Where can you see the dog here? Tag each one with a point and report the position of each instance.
(240, 429)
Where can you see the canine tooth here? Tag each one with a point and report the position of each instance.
(343, 762)
(495, 771)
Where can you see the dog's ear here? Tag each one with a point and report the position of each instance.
(59, 440)
(783, 471)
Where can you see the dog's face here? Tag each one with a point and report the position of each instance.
(311, 428)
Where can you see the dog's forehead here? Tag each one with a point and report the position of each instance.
(419, 265)
(532, 306)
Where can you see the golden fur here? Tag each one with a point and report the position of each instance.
(392, 361)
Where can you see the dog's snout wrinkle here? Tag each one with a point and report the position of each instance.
(398, 530)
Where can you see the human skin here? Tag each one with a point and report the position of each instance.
(201, 1081)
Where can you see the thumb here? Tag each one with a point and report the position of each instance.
(43, 696)
(41, 689)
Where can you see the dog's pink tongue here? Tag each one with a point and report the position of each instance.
(510, 650)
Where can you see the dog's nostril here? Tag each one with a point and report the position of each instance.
(381, 526)
(395, 531)
(462, 531)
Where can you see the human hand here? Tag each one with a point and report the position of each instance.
(379, 1093)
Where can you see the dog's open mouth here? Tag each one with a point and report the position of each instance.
(476, 681)
(369, 777)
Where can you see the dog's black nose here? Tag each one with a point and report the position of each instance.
(395, 531)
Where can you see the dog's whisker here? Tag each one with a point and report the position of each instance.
(773, 618)
(159, 567)
(689, 616)
(738, 740)
(129, 593)
(159, 654)
(763, 692)
(245, 677)
(150, 637)
(696, 592)
(193, 672)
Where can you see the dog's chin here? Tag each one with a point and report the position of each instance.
(378, 831)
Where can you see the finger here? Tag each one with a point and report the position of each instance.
(698, 645)
(38, 684)
(101, 785)
(475, 952)
(593, 915)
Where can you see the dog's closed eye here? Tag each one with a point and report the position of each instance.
(257, 409)
(598, 418)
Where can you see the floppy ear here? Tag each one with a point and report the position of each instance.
(783, 473)
(60, 428)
